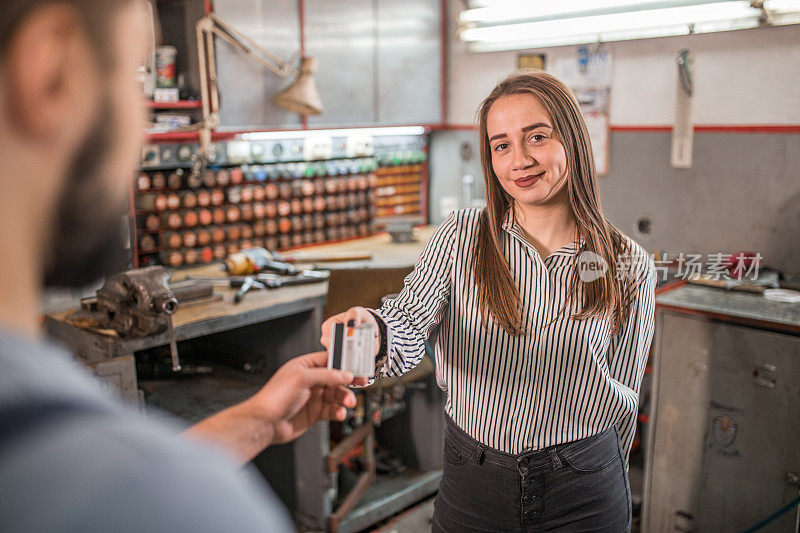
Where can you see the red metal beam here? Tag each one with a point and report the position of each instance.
(182, 104)
(301, 11)
(658, 128)
(717, 128)
(443, 84)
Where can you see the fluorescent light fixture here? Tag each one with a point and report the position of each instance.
(521, 10)
(582, 21)
(782, 6)
(299, 134)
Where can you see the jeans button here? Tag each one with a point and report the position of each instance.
(523, 462)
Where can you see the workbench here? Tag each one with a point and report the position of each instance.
(722, 452)
(252, 339)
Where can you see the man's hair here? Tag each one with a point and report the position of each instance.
(96, 17)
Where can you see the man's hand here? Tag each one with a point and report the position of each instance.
(353, 316)
(302, 392)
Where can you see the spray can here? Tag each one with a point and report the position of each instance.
(165, 66)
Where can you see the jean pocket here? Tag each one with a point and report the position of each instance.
(453, 455)
(596, 457)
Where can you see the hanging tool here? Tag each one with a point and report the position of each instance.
(683, 130)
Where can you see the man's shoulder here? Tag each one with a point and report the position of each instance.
(96, 472)
(74, 458)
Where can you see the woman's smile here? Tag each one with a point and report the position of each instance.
(529, 180)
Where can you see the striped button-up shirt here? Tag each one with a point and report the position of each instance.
(558, 383)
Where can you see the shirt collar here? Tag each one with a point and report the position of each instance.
(511, 226)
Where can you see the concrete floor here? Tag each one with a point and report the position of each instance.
(413, 520)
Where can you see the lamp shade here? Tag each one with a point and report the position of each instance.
(302, 96)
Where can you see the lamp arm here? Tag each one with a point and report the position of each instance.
(206, 28)
(249, 47)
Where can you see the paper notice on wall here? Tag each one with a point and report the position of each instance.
(597, 124)
(585, 69)
(589, 75)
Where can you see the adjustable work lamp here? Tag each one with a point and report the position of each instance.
(301, 96)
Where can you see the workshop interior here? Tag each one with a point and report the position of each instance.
(299, 155)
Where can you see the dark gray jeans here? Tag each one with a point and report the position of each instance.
(577, 486)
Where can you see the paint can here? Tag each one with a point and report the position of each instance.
(165, 66)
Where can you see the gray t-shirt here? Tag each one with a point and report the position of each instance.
(92, 464)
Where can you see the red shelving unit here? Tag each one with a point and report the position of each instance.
(182, 104)
(174, 136)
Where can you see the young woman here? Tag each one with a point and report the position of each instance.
(545, 312)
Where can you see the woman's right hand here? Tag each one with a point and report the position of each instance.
(353, 316)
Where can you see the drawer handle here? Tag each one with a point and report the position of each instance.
(764, 375)
(765, 382)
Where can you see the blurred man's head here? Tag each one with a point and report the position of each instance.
(70, 128)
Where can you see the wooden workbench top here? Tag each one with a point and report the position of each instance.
(385, 253)
(259, 304)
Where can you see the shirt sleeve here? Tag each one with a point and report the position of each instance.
(126, 474)
(628, 350)
(419, 307)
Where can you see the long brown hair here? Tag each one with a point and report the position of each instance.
(498, 294)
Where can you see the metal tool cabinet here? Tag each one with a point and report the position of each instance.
(724, 446)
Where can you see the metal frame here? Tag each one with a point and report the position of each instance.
(366, 435)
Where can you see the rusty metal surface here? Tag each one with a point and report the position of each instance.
(735, 304)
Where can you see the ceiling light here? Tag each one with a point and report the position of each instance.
(582, 22)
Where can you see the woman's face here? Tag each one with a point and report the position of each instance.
(528, 159)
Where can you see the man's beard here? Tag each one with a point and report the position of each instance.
(87, 241)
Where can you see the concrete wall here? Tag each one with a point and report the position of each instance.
(743, 190)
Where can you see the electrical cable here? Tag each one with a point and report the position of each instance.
(773, 516)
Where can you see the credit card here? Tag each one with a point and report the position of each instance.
(352, 349)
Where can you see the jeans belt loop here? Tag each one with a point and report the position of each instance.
(555, 458)
(480, 453)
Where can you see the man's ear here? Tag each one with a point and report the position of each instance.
(51, 76)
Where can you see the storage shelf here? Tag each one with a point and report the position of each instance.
(174, 136)
(181, 104)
